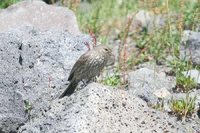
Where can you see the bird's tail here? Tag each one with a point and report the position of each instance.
(70, 89)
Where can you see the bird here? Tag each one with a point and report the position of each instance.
(88, 66)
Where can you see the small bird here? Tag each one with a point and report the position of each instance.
(89, 65)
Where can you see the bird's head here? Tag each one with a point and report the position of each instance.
(106, 52)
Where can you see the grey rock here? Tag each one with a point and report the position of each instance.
(145, 20)
(12, 111)
(97, 108)
(34, 67)
(190, 47)
(198, 28)
(40, 15)
(156, 68)
(194, 74)
(196, 93)
(145, 82)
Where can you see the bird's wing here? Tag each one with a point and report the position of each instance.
(80, 62)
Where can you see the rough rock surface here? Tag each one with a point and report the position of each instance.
(190, 47)
(40, 15)
(12, 111)
(144, 82)
(97, 108)
(194, 74)
(160, 69)
(35, 64)
(147, 21)
(34, 67)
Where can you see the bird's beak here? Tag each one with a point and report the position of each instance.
(111, 61)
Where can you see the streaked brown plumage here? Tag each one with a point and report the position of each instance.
(88, 66)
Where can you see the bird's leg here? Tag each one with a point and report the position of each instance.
(94, 79)
(84, 82)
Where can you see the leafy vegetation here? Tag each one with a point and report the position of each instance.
(159, 105)
(112, 80)
(108, 20)
(184, 107)
(6, 3)
(28, 107)
(184, 84)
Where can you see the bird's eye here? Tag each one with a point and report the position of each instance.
(106, 49)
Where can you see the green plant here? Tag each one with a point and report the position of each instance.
(184, 107)
(184, 83)
(159, 105)
(191, 15)
(93, 18)
(98, 16)
(178, 65)
(27, 106)
(107, 19)
(6, 3)
(71, 4)
(112, 80)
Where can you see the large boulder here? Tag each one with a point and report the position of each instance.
(12, 107)
(190, 47)
(146, 83)
(34, 67)
(194, 74)
(40, 15)
(100, 109)
(147, 21)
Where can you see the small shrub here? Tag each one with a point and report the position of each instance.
(184, 107)
(27, 106)
(179, 66)
(112, 80)
(184, 84)
(6, 3)
(159, 105)
(191, 16)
